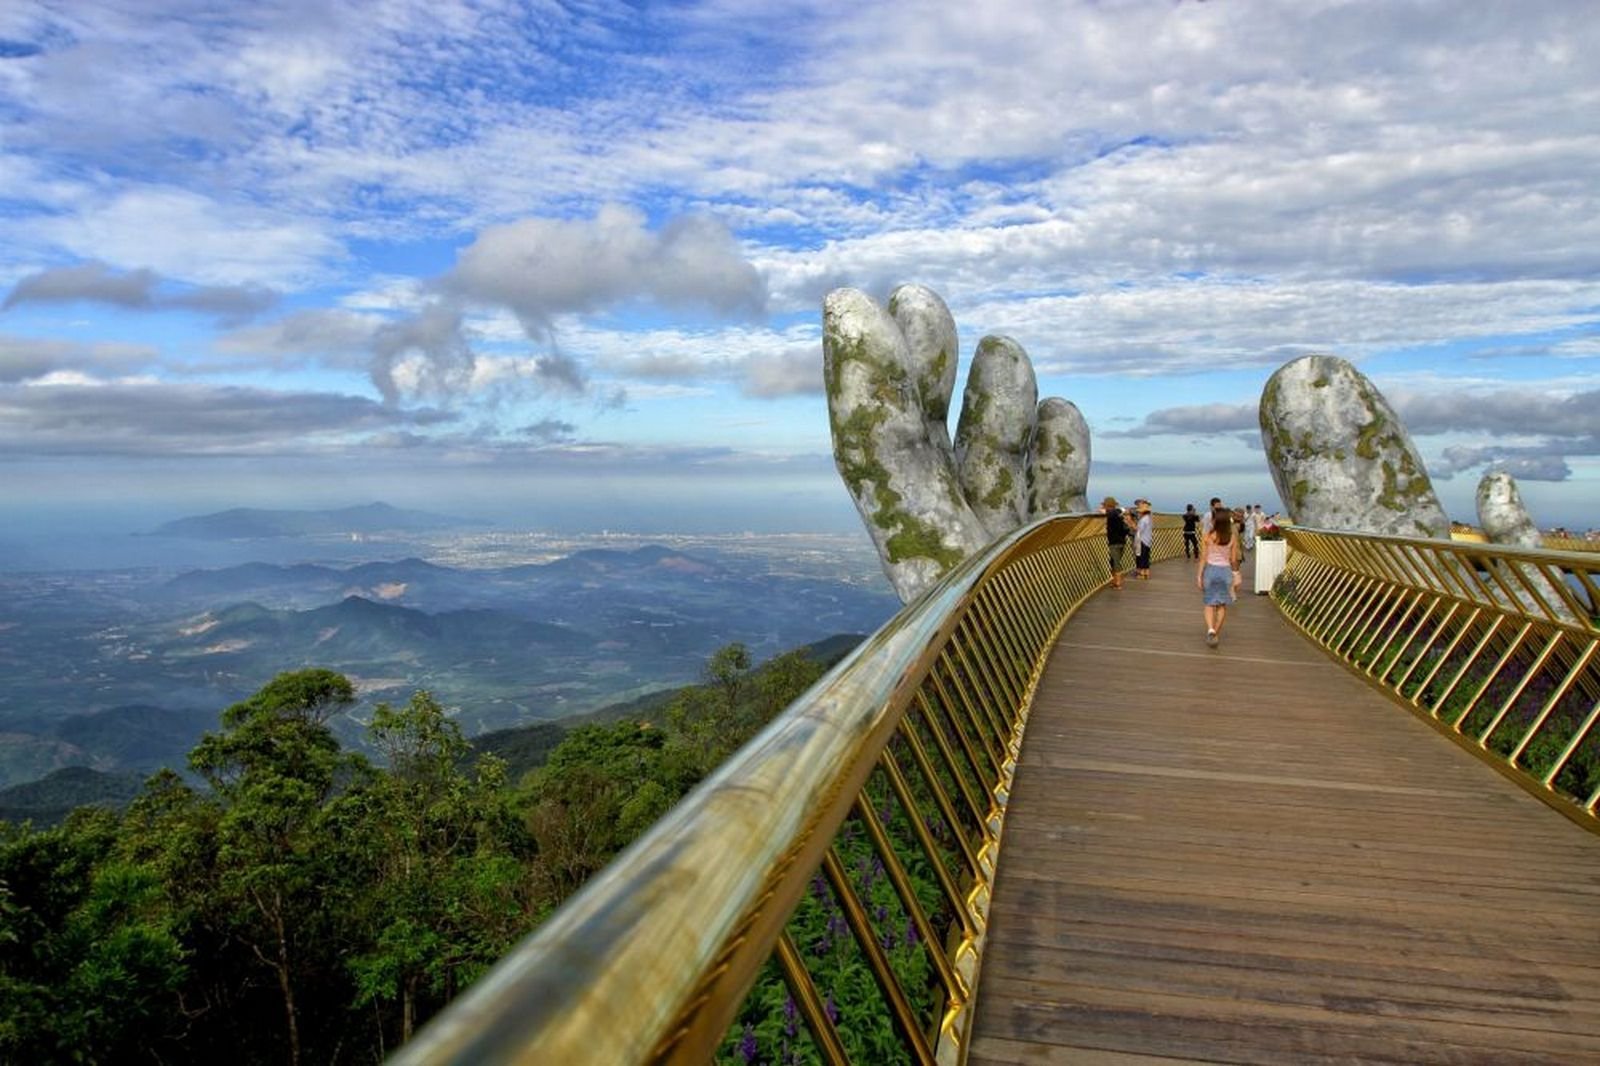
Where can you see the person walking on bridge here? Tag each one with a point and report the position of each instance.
(1191, 532)
(1215, 573)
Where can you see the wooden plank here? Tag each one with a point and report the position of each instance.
(1246, 854)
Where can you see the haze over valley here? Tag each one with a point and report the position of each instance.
(121, 669)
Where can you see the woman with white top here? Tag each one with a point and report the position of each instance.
(1145, 536)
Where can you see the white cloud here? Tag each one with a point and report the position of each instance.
(25, 359)
(539, 268)
(193, 238)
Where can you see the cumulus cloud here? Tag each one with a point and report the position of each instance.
(542, 267)
(1538, 463)
(136, 290)
(31, 358)
(425, 355)
(1506, 411)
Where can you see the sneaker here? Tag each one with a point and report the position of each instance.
(1211, 638)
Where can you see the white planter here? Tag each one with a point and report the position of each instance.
(1271, 555)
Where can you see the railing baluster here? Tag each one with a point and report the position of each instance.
(975, 806)
(1560, 693)
(905, 1019)
(1465, 634)
(810, 1005)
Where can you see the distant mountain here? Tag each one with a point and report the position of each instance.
(358, 630)
(308, 585)
(138, 736)
(250, 523)
(50, 799)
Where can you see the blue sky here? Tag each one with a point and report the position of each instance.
(518, 257)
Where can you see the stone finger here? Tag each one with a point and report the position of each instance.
(903, 485)
(992, 435)
(1058, 460)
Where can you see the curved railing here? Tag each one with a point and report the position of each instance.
(846, 852)
(1496, 646)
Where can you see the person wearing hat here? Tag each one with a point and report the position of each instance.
(1116, 538)
(1145, 537)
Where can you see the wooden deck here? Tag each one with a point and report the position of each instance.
(1247, 855)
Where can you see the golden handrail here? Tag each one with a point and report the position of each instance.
(1498, 647)
(651, 961)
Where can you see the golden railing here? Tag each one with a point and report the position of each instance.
(876, 800)
(1496, 646)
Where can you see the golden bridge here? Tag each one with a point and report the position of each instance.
(1040, 821)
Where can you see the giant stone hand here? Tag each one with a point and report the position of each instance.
(927, 504)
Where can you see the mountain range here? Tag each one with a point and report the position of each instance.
(248, 523)
(123, 671)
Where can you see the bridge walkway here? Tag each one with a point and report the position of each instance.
(1248, 855)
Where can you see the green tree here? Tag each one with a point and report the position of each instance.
(576, 801)
(448, 895)
(273, 770)
(89, 965)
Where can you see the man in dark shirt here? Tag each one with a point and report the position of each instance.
(1116, 538)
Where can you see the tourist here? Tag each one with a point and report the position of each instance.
(1191, 534)
(1247, 528)
(1145, 537)
(1210, 515)
(1217, 573)
(1116, 538)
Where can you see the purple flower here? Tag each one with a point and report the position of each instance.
(789, 1030)
(912, 936)
(880, 913)
(831, 1009)
(819, 889)
(748, 1048)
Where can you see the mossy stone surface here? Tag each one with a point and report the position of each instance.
(1339, 456)
(899, 477)
(1502, 514)
(1058, 461)
(994, 432)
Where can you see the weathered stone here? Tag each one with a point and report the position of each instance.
(1501, 514)
(994, 431)
(903, 484)
(930, 332)
(1058, 460)
(1339, 456)
(1506, 521)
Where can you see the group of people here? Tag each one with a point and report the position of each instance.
(1123, 527)
(1216, 540)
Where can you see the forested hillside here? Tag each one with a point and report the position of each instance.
(307, 904)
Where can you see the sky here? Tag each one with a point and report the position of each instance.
(563, 262)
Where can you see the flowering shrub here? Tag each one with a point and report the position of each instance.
(1269, 530)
